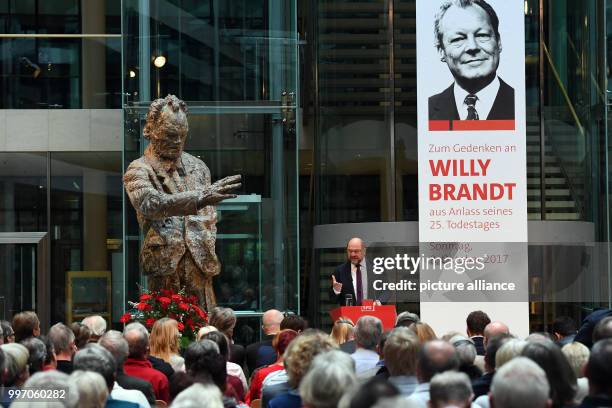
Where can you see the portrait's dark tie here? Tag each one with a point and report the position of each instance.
(359, 285)
(470, 101)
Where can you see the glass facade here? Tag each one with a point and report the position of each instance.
(314, 103)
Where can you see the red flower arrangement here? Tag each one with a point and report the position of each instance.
(154, 305)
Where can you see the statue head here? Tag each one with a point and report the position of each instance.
(166, 127)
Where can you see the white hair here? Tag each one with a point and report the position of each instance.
(199, 395)
(577, 355)
(52, 380)
(465, 348)
(450, 387)
(520, 383)
(509, 350)
(335, 369)
(92, 388)
(96, 324)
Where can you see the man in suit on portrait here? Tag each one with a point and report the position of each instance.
(468, 41)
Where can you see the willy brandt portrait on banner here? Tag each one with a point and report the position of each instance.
(468, 41)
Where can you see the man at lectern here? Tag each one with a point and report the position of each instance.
(350, 280)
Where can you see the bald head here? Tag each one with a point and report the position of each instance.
(494, 329)
(138, 343)
(355, 250)
(271, 321)
(436, 357)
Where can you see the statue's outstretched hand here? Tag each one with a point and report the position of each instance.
(220, 190)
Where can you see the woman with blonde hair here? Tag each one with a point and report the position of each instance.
(423, 331)
(343, 330)
(164, 343)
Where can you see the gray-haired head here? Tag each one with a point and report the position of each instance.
(450, 389)
(62, 338)
(520, 383)
(38, 353)
(97, 324)
(367, 332)
(335, 369)
(16, 364)
(199, 395)
(98, 359)
(91, 387)
(136, 326)
(137, 338)
(396, 402)
(401, 351)
(465, 348)
(509, 350)
(114, 342)
(52, 380)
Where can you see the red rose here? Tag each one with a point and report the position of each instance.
(172, 316)
(148, 307)
(145, 296)
(199, 312)
(184, 307)
(125, 318)
(176, 297)
(141, 306)
(166, 292)
(181, 326)
(150, 322)
(164, 300)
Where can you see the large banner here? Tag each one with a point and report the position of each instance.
(472, 154)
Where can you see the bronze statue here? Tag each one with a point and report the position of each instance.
(174, 199)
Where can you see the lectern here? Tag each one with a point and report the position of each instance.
(386, 313)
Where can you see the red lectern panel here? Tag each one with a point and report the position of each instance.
(385, 313)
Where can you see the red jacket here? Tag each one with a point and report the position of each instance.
(144, 370)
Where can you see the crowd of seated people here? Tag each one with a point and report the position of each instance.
(358, 364)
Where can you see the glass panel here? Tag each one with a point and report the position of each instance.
(86, 237)
(17, 279)
(354, 112)
(60, 73)
(23, 192)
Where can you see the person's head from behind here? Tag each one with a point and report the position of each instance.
(510, 349)
(520, 383)
(199, 395)
(301, 351)
(91, 387)
(577, 355)
(343, 330)
(282, 340)
(401, 351)
(494, 329)
(603, 329)
(25, 324)
(467, 38)
(493, 345)
(599, 370)
(270, 321)
(164, 338)
(55, 380)
(405, 319)
(294, 322)
(224, 319)
(114, 342)
(38, 354)
(335, 369)
(476, 323)
(563, 326)
(97, 359)
(203, 360)
(367, 394)
(423, 331)
(435, 357)
(16, 364)
(450, 389)
(367, 332)
(82, 334)
(62, 338)
(8, 335)
(561, 377)
(137, 338)
(465, 349)
(97, 325)
(222, 341)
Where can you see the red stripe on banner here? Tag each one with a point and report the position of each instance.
(483, 125)
(437, 125)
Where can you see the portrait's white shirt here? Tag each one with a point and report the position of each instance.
(484, 104)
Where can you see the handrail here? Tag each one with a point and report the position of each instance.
(563, 90)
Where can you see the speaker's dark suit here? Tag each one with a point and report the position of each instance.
(442, 106)
(343, 276)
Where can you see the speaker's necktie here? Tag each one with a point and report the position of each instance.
(470, 101)
(359, 284)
